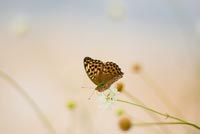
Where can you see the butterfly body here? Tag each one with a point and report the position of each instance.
(102, 74)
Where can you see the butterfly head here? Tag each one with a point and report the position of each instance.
(101, 87)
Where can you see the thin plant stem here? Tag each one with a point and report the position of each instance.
(164, 98)
(158, 123)
(137, 100)
(160, 93)
(72, 127)
(159, 113)
(41, 116)
(129, 95)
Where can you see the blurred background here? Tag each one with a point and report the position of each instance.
(43, 43)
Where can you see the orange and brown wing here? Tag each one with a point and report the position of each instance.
(111, 73)
(93, 69)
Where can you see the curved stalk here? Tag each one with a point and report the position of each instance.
(159, 113)
(158, 123)
(41, 116)
(137, 100)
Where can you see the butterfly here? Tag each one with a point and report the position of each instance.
(102, 74)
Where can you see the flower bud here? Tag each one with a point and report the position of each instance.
(119, 86)
(125, 123)
(137, 68)
(71, 105)
(120, 112)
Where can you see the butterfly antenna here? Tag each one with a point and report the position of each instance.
(91, 95)
(87, 87)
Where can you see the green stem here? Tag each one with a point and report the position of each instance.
(159, 123)
(137, 100)
(160, 93)
(159, 113)
(32, 103)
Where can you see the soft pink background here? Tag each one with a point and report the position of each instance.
(43, 43)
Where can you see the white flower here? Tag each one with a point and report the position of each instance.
(108, 97)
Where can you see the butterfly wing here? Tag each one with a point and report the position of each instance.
(102, 74)
(93, 69)
(111, 73)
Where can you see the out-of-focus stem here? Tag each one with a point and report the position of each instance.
(41, 116)
(133, 98)
(137, 100)
(159, 113)
(160, 94)
(159, 123)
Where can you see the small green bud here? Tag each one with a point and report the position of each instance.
(120, 112)
(71, 105)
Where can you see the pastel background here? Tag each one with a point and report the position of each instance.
(43, 43)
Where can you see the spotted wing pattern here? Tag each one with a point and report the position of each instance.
(111, 72)
(100, 72)
(93, 69)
